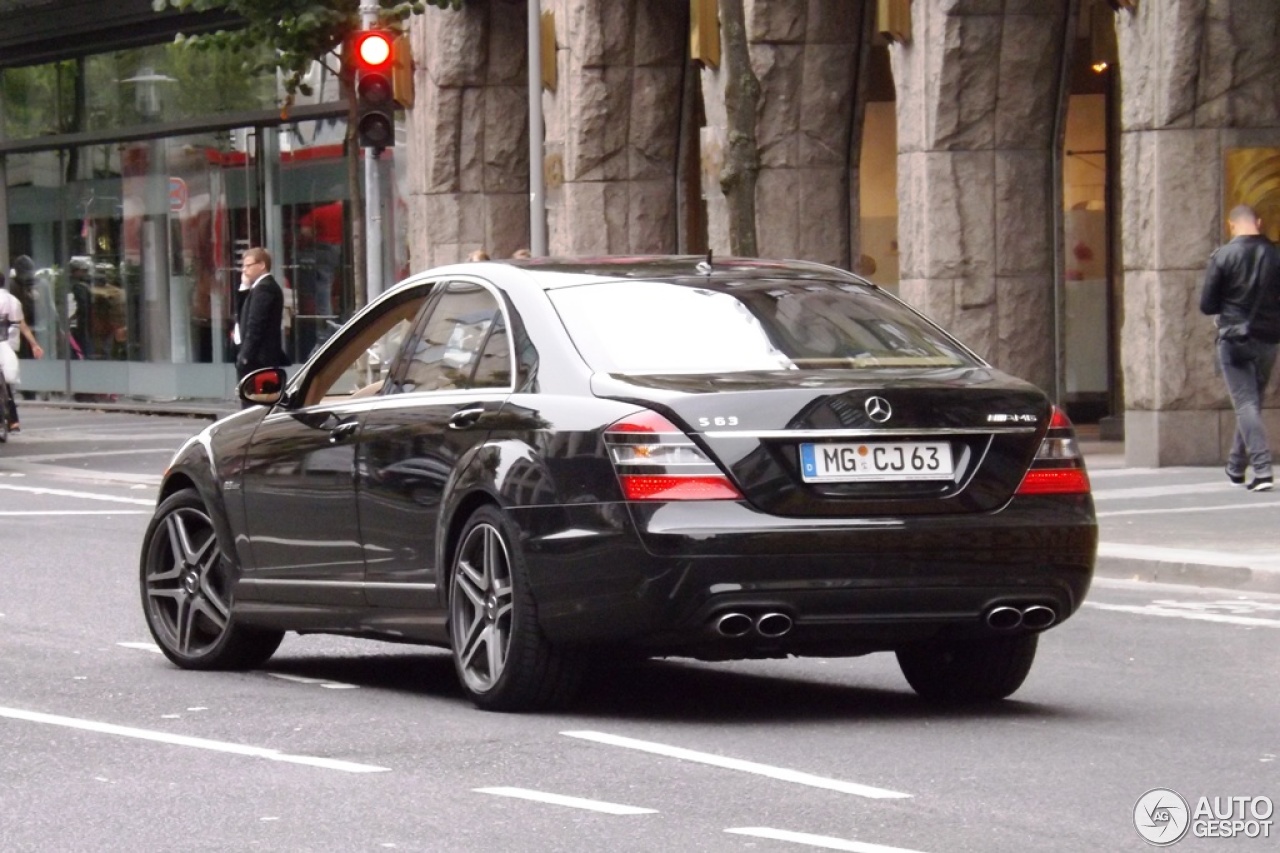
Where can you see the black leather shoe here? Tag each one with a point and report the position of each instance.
(1236, 479)
(1261, 484)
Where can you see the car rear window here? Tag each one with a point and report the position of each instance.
(672, 327)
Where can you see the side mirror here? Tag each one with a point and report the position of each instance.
(263, 387)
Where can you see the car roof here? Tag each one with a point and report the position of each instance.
(555, 273)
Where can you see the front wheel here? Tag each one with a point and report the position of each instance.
(186, 592)
(968, 671)
(503, 660)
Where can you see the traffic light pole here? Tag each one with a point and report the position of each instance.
(373, 241)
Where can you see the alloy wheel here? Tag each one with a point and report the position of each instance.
(482, 607)
(185, 587)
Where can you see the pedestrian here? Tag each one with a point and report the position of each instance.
(257, 333)
(521, 254)
(1242, 287)
(13, 328)
(478, 255)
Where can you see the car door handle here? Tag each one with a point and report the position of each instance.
(465, 419)
(343, 431)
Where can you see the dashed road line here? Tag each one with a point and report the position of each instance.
(67, 493)
(824, 841)
(780, 773)
(193, 742)
(323, 682)
(146, 647)
(562, 800)
(1197, 616)
(5, 514)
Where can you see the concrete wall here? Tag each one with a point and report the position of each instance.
(1200, 78)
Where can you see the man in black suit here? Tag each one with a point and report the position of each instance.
(258, 329)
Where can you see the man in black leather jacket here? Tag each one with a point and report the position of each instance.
(1242, 287)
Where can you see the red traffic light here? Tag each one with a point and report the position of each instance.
(373, 49)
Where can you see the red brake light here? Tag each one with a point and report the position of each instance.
(1058, 468)
(656, 461)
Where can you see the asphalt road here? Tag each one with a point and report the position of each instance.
(353, 745)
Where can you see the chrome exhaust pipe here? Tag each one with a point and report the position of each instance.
(1004, 618)
(1037, 617)
(773, 625)
(733, 625)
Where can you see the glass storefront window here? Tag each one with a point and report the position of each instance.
(127, 88)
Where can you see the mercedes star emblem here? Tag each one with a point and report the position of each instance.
(878, 409)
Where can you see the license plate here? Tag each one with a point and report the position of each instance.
(882, 460)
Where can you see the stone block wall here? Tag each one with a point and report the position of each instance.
(1199, 77)
(468, 147)
(805, 54)
(612, 126)
(977, 92)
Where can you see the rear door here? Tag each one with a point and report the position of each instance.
(456, 376)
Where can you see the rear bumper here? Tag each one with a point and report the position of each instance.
(660, 576)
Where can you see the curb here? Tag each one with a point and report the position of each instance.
(1219, 575)
(176, 409)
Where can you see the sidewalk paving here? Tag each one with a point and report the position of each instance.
(1163, 525)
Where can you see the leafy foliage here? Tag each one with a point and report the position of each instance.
(301, 31)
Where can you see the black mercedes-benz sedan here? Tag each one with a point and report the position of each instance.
(540, 464)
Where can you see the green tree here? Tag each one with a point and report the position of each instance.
(303, 32)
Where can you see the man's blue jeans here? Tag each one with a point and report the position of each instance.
(1246, 383)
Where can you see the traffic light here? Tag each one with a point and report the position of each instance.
(375, 101)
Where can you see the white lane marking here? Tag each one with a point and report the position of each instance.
(1185, 555)
(1271, 505)
(67, 493)
(780, 773)
(146, 647)
(194, 742)
(824, 841)
(323, 682)
(76, 512)
(1156, 610)
(561, 800)
(1161, 491)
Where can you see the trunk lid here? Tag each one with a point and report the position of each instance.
(831, 443)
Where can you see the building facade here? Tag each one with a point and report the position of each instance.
(1047, 178)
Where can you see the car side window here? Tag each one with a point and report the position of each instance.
(362, 360)
(463, 344)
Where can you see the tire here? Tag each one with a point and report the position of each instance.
(504, 662)
(955, 672)
(186, 583)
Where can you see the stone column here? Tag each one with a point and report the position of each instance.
(977, 95)
(613, 125)
(1199, 79)
(468, 149)
(805, 54)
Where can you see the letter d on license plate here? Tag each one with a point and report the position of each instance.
(885, 460)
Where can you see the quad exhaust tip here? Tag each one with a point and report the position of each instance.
(769, 625)
(1033, 617)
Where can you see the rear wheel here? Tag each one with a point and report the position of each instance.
(968, 671)
(503, 660)
(186, 582)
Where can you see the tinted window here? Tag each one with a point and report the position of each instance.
(463, 345)
(665, 327)
(358, 363)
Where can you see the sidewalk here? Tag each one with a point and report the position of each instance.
(1167, 525)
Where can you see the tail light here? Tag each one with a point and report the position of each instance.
(1058, 468)
(656, 461)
